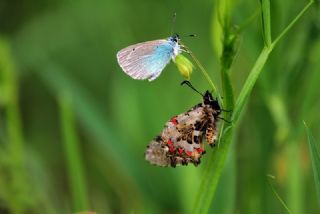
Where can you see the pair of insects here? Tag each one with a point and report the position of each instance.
(180, 142)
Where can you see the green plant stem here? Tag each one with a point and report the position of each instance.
(266, 23)
(213, 172)
(211, 176)
(202, 69)
(72, 151)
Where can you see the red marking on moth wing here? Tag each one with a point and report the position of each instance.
(189, 153)
(199, 150)
(180, 150)
(171, 147)
(174, 120)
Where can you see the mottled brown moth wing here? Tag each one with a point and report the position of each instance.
(180, 142)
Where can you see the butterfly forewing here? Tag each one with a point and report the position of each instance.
(145, 60)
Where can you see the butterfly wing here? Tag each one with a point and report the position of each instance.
(146, 60)
(180, 142)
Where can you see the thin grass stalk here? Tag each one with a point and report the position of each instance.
(14, 131)
(73, 155)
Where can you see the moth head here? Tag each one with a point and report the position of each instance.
(209, 100)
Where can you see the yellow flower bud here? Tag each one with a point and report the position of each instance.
(184, 65)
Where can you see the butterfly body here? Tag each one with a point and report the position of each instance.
(180, 142)
(147, 60)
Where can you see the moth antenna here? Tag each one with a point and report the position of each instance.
(191, 86)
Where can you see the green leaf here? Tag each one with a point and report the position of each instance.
(315, 159)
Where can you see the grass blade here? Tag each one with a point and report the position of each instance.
(74, 163)
(278, 196)
(18, 198)
(315, 159)
(250, 82)
(291, 24)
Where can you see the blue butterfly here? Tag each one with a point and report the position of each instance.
(147, 60)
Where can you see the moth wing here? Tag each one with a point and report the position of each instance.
(211, 131)
(192, 126)
(180, 142)
(157, 152)
(145, 60)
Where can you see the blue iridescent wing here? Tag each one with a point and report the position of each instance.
(146, 60)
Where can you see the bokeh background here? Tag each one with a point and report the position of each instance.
(74, 126)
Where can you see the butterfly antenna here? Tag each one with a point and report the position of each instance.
(191, 86)
(174, 17)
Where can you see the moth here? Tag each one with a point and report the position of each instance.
(180, 142)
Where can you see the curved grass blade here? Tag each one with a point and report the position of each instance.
(315, 159)
(277, 195)
(73, 157)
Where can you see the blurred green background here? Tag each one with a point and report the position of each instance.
(74, 126)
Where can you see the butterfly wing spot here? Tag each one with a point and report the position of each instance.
(200, 150)
(189, 153)
(171, 147)
(174, 120)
